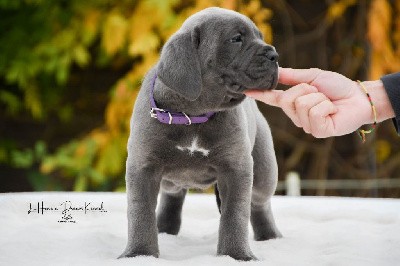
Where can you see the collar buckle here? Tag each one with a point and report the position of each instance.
(154, 110)
(153, 113)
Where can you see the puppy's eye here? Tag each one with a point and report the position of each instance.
(237, 38)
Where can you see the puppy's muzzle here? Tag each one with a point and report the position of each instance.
(263, 68)
(270, 54)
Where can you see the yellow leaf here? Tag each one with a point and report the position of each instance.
(81, 150)
(112, 157)
(48, 165)
(252, 8)
(229, 4)
(337, 9)
(139, 25)
(114, 33)
(266, 30)
(263, 15)
(144, 43)
(149, 59)
(202, 5)
(376, 67)
(80, 183)
(91, 20)
(119, 110)
(32, 101)
(383, 150)
(385, 49)
(81, 55)
(90, 25)
(100, 136)
(379, 20)
(112, 117)
(120, 189)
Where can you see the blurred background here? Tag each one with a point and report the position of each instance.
(70, 72)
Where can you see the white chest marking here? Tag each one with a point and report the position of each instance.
(193, 148)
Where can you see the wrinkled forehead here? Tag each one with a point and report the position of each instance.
(220, 20)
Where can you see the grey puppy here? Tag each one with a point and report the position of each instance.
(204, 67)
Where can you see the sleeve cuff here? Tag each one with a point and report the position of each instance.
(391, 83)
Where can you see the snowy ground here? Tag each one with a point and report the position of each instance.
(317, 231)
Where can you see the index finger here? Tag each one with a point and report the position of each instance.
(268, 97)
(291, 76)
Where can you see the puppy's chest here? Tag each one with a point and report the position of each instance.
(192, 146)
(189, 162)
(197, 147)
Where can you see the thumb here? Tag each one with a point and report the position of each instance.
(268, 97)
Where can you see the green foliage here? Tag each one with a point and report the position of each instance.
(40, 42)
(42, 182)
(28, 60)
(28, 157)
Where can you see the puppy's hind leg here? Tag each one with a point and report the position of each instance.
(170, 209)
(264, 185)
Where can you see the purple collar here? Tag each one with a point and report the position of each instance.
(175, 118)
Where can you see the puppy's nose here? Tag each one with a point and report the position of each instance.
(270, 53)
(272, 56)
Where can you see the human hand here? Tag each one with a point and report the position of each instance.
(323, 103)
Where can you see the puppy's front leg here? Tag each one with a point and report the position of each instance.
(235, 191)
(142, 187)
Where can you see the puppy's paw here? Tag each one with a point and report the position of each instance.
(262, 235)
(169, 224)
(264, 225)
(243, 256)
(136, 253)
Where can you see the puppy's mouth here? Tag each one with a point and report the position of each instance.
(272, 83)
(262, 83)
(234, 98)
(263, 80)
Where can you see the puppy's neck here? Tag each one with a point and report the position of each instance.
(168, 99)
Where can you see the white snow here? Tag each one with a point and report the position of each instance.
(317, 231)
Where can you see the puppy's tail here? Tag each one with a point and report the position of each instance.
(217, 197)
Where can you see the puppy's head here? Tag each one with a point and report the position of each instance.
(218, 54)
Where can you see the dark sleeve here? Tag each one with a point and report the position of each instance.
(391, 83)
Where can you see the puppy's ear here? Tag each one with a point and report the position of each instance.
(179, 65)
